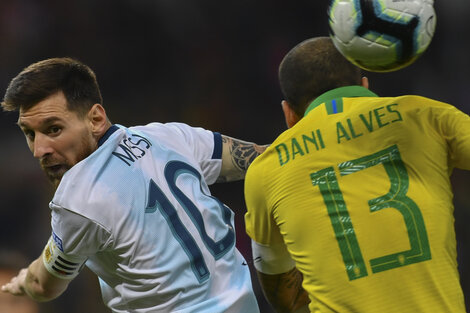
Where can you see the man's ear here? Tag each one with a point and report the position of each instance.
(98, 120)
(365, 82)
(291, 117)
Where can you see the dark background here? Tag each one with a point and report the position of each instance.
(207, 63)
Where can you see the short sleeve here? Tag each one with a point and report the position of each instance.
(459, 139)
(455, 127)
(259, 222)
(204, 146)
(58, 263)
(76, 235)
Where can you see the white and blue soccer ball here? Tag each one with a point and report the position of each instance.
(382, 35)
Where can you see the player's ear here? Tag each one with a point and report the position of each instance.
(291, 117)
(365, 82)
(98, 119)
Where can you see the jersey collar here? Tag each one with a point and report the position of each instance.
(106, 135)
(341, 92)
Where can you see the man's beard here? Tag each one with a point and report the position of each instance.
(55, 172)
(56, 168)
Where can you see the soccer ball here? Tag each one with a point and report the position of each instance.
(381, 35)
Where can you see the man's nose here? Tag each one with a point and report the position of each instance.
(42, 146)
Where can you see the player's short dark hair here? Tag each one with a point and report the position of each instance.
(42, 79)
(311, 68)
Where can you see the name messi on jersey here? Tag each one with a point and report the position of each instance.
(132, 149)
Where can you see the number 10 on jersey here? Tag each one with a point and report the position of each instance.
(396, 198)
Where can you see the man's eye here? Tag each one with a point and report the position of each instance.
(54, 130)
(29, 135)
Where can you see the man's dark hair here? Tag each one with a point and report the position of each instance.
(45, 78)
(311, 68)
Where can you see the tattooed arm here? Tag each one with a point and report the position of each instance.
(237, 155)
(284, 291)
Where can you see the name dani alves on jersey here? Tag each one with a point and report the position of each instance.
(346, 130)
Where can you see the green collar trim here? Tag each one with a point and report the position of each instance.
(341, 92)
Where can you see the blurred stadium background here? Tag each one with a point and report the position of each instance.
(203, 62)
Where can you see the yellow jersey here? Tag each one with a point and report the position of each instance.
(359, 192)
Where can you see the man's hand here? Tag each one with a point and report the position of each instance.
(36, 282)
(16, 285)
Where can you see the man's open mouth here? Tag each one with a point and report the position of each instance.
(58, 169)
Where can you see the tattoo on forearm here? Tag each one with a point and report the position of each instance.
(243, 153)
(237, 155)
(222, 179)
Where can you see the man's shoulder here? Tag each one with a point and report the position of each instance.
(418, 101)
(163, 129)
(99, 181)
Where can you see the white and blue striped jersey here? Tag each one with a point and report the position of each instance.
(139, 212)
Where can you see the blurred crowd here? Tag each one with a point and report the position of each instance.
(203, 62)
